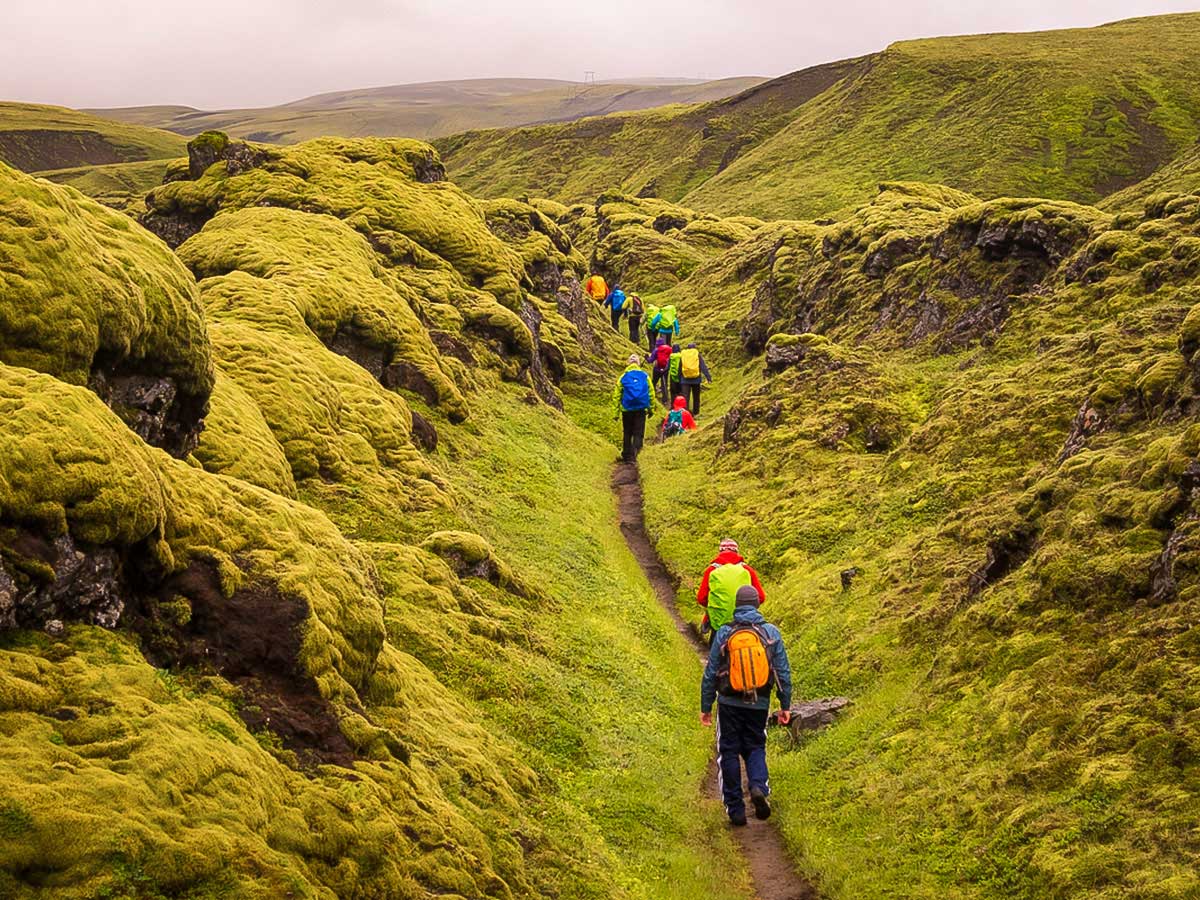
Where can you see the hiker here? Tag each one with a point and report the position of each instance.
(597, 288)
(666, 323)
(661, 359)
(720, 583)
(615, 302)
(747, 659)
(691, 369)
(632, 399)
(634, 309)
(651, 332)
(673, 371)
(678, 420)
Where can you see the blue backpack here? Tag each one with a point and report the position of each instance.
(616, 299)
(635, 390)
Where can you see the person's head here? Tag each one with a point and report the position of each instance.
(746, 596)
(635, 360)
(661, 341)
(692, 345)
(674, 348)
(729, 545)
(680, 402)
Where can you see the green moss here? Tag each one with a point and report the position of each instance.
(83, 286)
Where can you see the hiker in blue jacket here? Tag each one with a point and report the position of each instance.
(615, 302)
(742, 718)
(632, 401)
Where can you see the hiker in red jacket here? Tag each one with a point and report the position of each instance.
(720, 583)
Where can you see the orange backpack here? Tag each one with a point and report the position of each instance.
(748, 662)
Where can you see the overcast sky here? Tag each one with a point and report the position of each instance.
(226, 53)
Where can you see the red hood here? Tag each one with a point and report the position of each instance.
(726, 557)
(680, 402)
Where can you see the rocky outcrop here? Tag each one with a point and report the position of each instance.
(57, 578)
(154, 408)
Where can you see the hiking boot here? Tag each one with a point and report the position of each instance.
(762, 808)
(737, 820)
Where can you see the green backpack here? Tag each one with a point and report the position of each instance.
(723, 584)
(674, 369)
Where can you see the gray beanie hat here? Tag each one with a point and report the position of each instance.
(746, 596)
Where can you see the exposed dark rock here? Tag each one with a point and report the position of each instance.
(424, 434)
(451, 345)
(546, 362)
(153, 407)
(882, 260)
(174, 228)
(782, 356)
(774, 414)
(813, 715)
(848, 576)
(348, 342)
(55, 628)
(574, 306)
(403, 375)
(211, 147)
(251, 639)
(732, 424)
(1004, 554)
(1181, 519)
(667, 222)
(60, 580)
(1087, 423)
(428, 169)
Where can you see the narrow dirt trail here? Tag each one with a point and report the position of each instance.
(772, 871)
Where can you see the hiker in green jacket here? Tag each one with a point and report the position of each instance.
(719, 586)
(673, 368)
(651, 315)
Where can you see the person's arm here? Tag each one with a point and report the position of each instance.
(677, 326)
(704, 370)
(688, 422)
(783, 672)
(757, 585)
(708, 684)
(702, 591)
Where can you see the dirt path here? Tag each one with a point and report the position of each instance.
(774, 876)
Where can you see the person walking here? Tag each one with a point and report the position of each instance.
(651, 328)
(691, 369)
(661, 360)
(596, 288)
(666, 323)
(678, 420)
(632, 400)
(746, 661)
(635, 310)
(673, 376)
(725, 575)
(615, 303)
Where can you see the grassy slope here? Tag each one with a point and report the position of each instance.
(1034, 736)
(427, 110)
(35, 138)
(1068, 114)
(118, 185)
(504, 745)
(664, 151)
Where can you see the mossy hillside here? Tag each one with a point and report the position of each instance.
(35, 138)
(575, 739)
(1180, 176)
(1076, 115)
(1018, 637)
(386, 190)
(662, 152)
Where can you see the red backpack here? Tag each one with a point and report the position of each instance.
(662, 356)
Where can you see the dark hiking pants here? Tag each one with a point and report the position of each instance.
(633, 426)
(741, 738)
(616, 320)
(692, 392)
(651, 338)
(635, 328)
(676, 391)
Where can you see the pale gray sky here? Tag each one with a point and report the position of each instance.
(225, 53)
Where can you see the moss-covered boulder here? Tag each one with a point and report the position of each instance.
(87, 296)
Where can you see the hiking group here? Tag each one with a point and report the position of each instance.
(676, 376)
(747, 658)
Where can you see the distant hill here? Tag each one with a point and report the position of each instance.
(35, 137)
(1075, 114)
(431, 109)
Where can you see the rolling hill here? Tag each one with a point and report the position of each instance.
(429, 110)
(35, 137)
(1075, 114)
